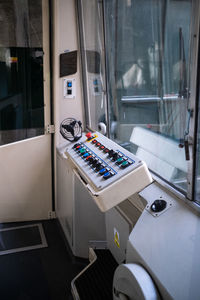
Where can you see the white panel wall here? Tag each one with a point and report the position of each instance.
(65, 38)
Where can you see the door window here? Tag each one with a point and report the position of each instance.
(21, 70)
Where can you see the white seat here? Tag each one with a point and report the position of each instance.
(160, 153)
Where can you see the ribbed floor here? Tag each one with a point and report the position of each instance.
(96, 282)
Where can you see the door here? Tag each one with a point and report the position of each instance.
(25, 147)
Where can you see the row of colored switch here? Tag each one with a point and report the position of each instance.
(121, 161)
(101, 147)
(93, 161)
(124, 162)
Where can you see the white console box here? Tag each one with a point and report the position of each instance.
(80, 218)
(125, 182)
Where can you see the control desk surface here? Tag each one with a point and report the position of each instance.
(101, 160)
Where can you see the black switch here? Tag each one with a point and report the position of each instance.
(90, 160)
(115, 156)
(69, 92)
(158, 205)
(95, 161)
(110, 153)
(99, 166)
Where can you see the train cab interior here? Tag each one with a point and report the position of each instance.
(99, 149)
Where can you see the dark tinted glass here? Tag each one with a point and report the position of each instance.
(21, 70)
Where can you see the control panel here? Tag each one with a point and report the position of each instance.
(69, 88)
(108, 168)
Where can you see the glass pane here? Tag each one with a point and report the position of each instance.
(93, 59)
(21, 70)
(148, 62)
(197, 175)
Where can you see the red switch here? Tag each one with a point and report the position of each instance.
(88, 135)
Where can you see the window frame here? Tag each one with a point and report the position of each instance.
(193, 71)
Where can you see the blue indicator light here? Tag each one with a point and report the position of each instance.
(86, 155)
(69, 84)
(95, 82)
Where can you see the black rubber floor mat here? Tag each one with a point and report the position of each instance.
(22, 238)
(96, 282)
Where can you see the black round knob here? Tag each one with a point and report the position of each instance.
(158, 205)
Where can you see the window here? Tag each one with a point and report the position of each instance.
(151, 67)
(148, 62)
(197, 169)
(92, 46)
(21, 70)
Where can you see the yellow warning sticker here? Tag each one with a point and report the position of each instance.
(116, 238)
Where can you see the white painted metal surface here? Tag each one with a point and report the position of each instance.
(107, 193)
(79, 216)
(168, 246)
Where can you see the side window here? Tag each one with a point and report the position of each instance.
(93, 61)
(21, 70)
(148, 63)
(197, 169)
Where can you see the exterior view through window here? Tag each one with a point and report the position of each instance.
(197, 171)
(91, 15)
(21, 70)
(148, 56)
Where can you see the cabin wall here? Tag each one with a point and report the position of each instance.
(65, 38)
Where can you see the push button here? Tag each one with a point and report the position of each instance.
(94, 141)
(98, 144)
(106, 150)
(76, 145)
(86, 155)
(102, 147)
(82, 151)
(115, 156)
(124, 165)
(89, 136)
(119, 161)
(94, 163)
(99, 166)
(102, 171)
(91, 159)
(111, 152)
(107, 175)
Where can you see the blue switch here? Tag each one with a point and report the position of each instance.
(107, 175)
(102, 171)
